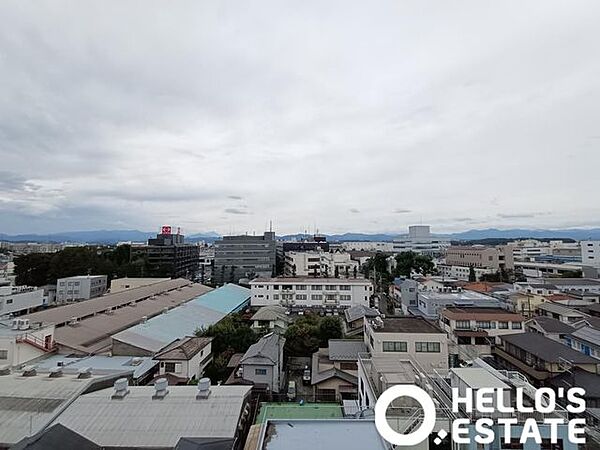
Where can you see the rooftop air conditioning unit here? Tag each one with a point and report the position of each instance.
(73, 321)
(121, 389)
(56, 372)
(160, 389)
(84, 372)
(203, 389)
(29, 371)
(24, 324)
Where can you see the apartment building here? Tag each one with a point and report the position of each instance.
(368, 246)
(82, 287)
(320, 264)
(408, 337)
(245, 256)
(420, 240)
(430, 304)
(590, 253)
(16, 300)
(308, 292)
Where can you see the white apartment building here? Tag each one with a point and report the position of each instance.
(368, 246)
(83, 287)
(462, 272)
(22, 341)
(318, 263)
(413, 338)
(307, 292)
(590, 253)
(19, 299)
(420, 240)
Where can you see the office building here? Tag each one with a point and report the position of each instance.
(238, 257)
(83, 287)
(420, 240)
(320, 264)
(480, 257)
(16, 300)
(590, 253)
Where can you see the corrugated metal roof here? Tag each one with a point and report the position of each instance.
(139, 421)
(588, 334)
(200, 312)
(99, 364)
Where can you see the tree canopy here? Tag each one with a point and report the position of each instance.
(308, 333)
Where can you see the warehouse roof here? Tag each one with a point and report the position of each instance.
(92, 334)
(156, 333)
(139, 421)
(99, 364)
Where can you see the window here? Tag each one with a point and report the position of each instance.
(463, 324)
(517, 325)
(300, 287)
(486, 324)
(345, 297)
(427, 347)
(3, 354)
(260, 371)
(276, 287)
(300, 296)
(330, 287)
(344, 288)
(170, 367)
(276, 297)
(503, 325)
(316, 287)
(9, 301)
(348, 365)
(316, 297)
(395, 346)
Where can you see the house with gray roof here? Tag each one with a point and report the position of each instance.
(354, 323)
(334, 372)
(585, 339)
(184, 359)
(560, 312)
(550, 327)
(272, 317)
(262, 364)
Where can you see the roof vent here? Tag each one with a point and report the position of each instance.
(136, 361)
(73, 321)
(160, 389)
(5, 369)
(56, 372)
(121, 389)
(144, 319)
(165, 310)
(84, 372)
(29, 371)
(203, 388)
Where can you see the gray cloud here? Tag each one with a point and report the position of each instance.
(354, 211)
(101, 130)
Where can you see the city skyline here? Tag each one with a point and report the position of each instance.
(355, 118)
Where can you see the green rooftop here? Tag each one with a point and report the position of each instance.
(296, 411)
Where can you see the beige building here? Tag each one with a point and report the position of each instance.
(481, 257)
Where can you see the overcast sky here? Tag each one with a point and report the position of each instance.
(344, 115)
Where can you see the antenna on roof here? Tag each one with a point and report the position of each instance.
(270, 226)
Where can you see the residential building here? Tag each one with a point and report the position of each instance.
(22, 341)
(488, 288)
(590, 382)
(532, 249)
(582, 285)
(17, 300)
(408, 337)
(473, 331)
(151, 335)
(308, 292)
(25, 248)
(262, 364)
(168, 254)
(245, 256)
(354, 319)
(334, 370)
(542, 269)
(161, 416)
(590, 253)
(538, 288)
(549, 327)
(585, 339)
(184, 359)
(86, 327)
(319, 264)
(368, 246)
(122, 284)
(272, 318)
(406, 293)
(480, 257)
(463, 273)
(539, 357)
(560, 312)
(430, 304)
(421, 241)
(82, 287)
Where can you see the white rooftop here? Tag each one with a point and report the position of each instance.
(477, 377)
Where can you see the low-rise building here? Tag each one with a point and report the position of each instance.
(560, 312)
(585, 339)
(408, 337)
(549, 327)
(320, 264)
(334, 370)
(307, 292)
(368, 246)
(480, 257)
(539, 357)
(262, 364)
(430, 304)
(17, 300)
(354, 319)
(83, 287)
(271, 318)
(22, 341)
(184, 359)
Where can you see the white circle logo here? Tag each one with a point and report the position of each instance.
(429, 415)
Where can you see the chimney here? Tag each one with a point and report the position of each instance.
(56, 372)
(121, 389)
(160, 389)
(29, 371)
(203, 389)
(84, 372)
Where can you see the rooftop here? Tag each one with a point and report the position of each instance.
(286, 411)
(154, 334)
(557, 308)
(470, 296)
(155, 423)
(477, 377)
(271, 312)
(547, 349)
(358, 312)
(588, 334)
(408, 325)
(551, 325)
(311, 280)
(346, 349)
(183, 349)
(100, 364)
(267, 348)
(572, 281)
(321, 435)
(458, 313)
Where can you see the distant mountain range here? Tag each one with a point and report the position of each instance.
(113, 236)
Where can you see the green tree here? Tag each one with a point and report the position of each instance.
(330, 327)
(408, 262)
(472, 274)
(32, 269)
(302, 338)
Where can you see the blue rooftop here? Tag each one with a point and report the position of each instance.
(184, 320)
